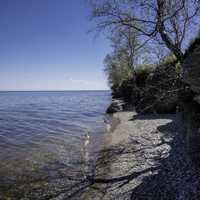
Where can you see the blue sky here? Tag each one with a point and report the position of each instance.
(44, 45)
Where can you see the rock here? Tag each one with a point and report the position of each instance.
(116, 106)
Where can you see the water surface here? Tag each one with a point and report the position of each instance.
(42, 137)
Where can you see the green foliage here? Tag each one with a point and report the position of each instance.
(142, 72)
(145, 69)
(172, 60)
(119, 65)
(117, 70)
(169, 60)
(159, 92)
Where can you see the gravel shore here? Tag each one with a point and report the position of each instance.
(145, 159)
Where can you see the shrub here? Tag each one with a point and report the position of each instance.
(142, 72)
(160, 92)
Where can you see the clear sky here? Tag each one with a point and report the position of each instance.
(44, 45)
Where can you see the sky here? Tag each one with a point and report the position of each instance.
(45, 45)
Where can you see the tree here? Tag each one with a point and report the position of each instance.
(120, 64)
(168, 22)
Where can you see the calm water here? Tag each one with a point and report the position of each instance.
(42, 138)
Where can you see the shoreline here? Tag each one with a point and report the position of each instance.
(113, 141)
(140, 157)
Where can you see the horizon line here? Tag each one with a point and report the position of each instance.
(52, 90)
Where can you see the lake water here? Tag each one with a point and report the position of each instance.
(43, 138)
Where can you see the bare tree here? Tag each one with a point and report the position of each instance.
(120, 64)
(169, 22)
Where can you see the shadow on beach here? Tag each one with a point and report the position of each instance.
(175, 178)
(150, 166)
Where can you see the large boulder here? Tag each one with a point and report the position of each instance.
(160, 93)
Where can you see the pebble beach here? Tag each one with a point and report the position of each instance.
(144, 158)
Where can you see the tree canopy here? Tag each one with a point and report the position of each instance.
(168, 22)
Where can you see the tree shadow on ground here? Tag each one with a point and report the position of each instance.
(176, 178)
(161, 171)
(150, 116)
(155, 167)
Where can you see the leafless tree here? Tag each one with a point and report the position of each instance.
(120, 63)
(169, 22)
